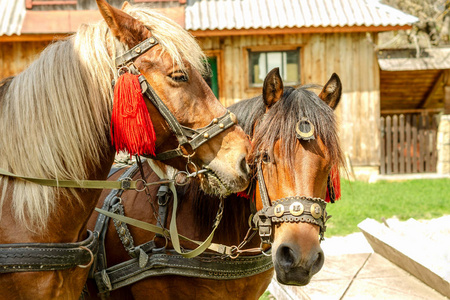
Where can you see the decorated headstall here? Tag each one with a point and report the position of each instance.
(131, 127)
(296, 208)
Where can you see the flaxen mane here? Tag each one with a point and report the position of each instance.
(55, 115)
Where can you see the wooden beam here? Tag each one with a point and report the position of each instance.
(32, 37)
(294, 30)
(447, 100)
(438, 83)
(410, 111)
(62, 2)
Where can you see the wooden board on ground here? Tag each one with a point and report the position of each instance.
(400, 251)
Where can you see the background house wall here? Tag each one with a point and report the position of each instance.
(350, 55)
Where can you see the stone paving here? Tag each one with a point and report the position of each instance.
(353, 271)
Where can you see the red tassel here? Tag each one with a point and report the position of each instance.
(131, 127)
(335, 185)
(243, 195)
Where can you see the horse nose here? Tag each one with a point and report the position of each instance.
(317, 261)
(243, 168)
(287, 258)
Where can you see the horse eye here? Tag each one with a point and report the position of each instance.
(179, 76)
(265, 158)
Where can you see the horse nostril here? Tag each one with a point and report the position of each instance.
(243, 166)
(318, 263)
(286, 257)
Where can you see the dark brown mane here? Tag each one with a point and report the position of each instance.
(279, 123)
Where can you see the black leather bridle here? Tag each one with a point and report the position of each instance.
(193, 138)
(292, 209)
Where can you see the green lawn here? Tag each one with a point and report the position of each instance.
(418, 199)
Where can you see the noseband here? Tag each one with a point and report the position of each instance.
(193, 138)
(294, 209)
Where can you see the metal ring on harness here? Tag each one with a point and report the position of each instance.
(179, 182)
(122, 70)
(144, 185)
(194, 166)
(262, 249)
(92, 258)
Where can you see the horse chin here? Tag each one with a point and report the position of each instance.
(296, 276)
(215, 183)
(211, 184)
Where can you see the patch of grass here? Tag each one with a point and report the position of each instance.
(418, 199)
(266, 296)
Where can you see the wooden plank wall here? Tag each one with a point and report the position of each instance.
(350, 55)
(16, 56)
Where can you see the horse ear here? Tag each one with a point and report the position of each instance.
(332, 91)
(125, 5)
(126, 28)
(272, 88)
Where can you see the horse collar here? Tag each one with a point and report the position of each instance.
(185, 135)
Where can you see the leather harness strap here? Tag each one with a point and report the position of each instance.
(159, 264)
(147, 260)
(28, 257)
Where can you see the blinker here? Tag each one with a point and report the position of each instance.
(304, 129)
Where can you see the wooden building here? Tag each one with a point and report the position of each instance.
(307, 39)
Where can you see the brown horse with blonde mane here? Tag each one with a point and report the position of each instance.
(55, 119)
(295, 147)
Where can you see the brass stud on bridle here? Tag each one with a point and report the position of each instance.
(316, 210)
(296, 209)
(278, 210)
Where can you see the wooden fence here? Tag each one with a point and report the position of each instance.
(408, 143)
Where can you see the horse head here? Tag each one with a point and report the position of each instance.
(295, 147)
(201, 133)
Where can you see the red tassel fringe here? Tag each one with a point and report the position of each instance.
(336, 183)
(243, 195)
(131, 126)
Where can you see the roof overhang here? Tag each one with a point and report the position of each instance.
(53, 25)
(407, 60)
(294, 30)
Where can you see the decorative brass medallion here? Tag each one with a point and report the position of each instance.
(296, 209)
(304, 129)
(278, 210)
(316, 210)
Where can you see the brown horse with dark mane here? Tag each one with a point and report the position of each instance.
(294, 148)
(55, 145)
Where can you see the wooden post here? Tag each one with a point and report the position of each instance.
(383, 147)
(395, 144)
(388, 145)
(447, 100)
(403, 149)
(408, 143)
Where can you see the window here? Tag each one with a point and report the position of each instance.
(213, 80)
(260, 63)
